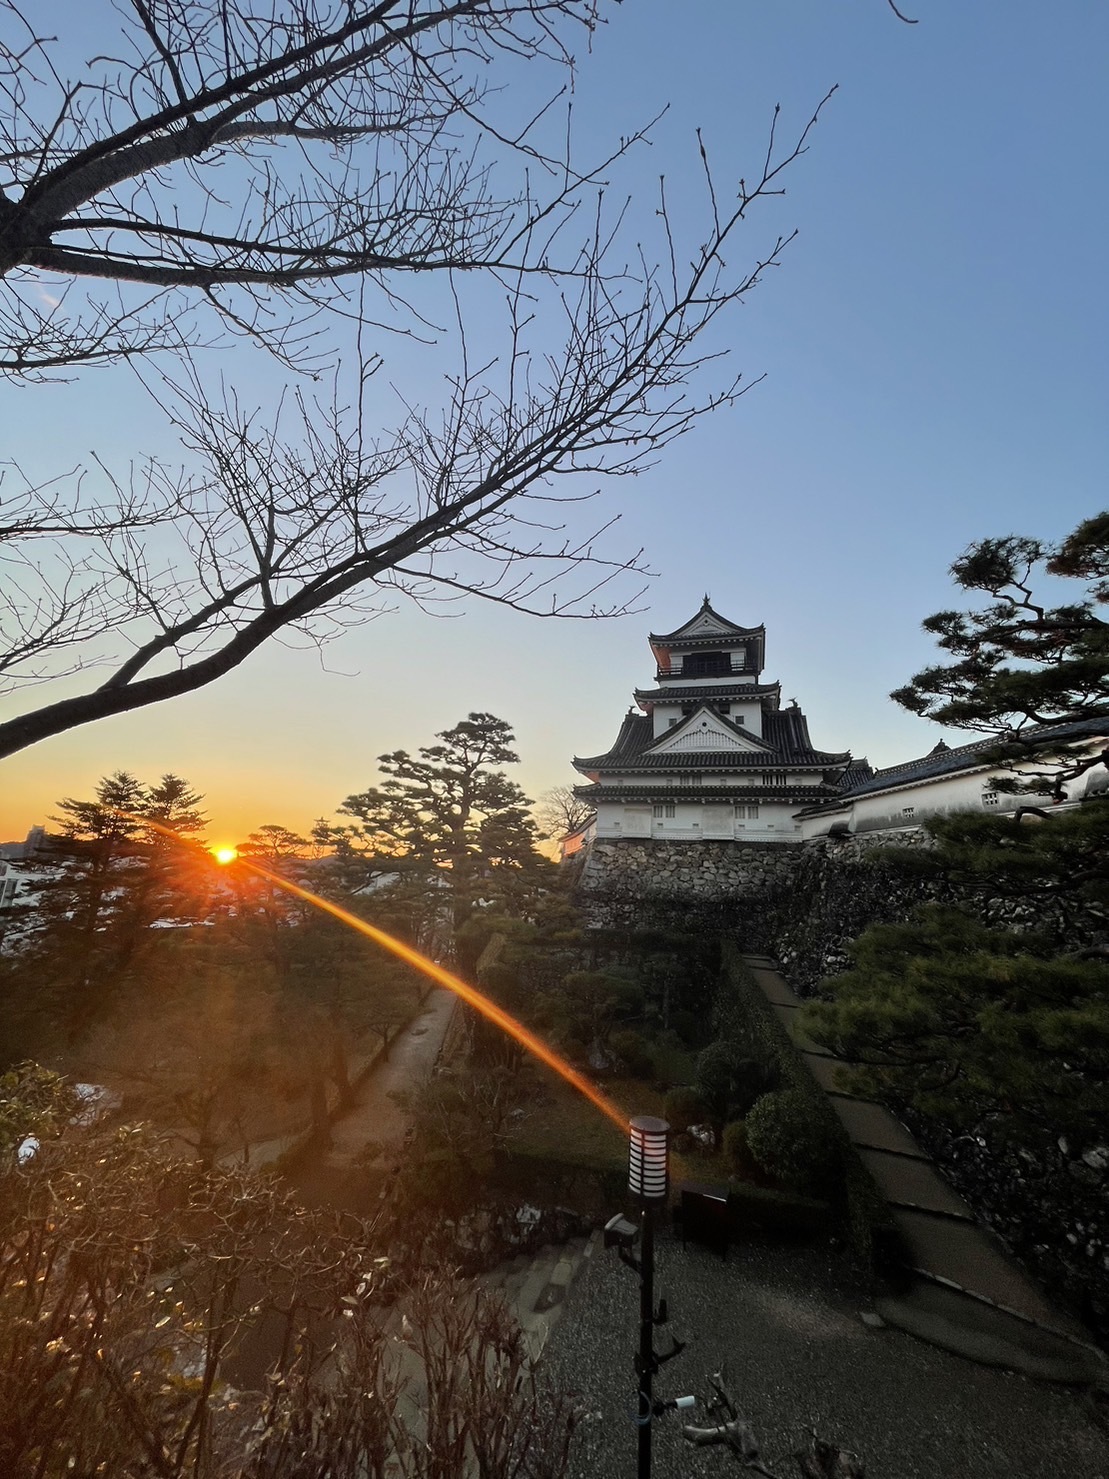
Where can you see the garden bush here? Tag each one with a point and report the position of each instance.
(762, 1212)
(737, 1150)
(792, 1143)
(683, 1107)
(729, 1080)
(632, 1053)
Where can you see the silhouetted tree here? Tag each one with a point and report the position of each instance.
(365, 155)
(1031, 673)
(452, 814)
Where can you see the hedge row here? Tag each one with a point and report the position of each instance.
(796, 1124)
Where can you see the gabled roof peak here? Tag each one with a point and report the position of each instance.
(704, 717)
(706, 621)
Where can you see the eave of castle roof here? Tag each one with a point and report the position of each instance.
(652, 790)
(704, 691)
(978, 755)
(663, 638)
(785, 744)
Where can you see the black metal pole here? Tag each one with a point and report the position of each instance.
(646, 1361)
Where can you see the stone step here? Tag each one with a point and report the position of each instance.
(954, 1252)
(981, 1332)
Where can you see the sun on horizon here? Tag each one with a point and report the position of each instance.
(225, 855)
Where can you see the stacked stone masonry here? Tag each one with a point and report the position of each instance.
(705, 871)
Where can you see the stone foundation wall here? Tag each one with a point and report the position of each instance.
(688, 870)
(719, 887)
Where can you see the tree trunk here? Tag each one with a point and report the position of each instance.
(321, 1121)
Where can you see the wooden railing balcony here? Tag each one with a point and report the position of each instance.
(721, 672)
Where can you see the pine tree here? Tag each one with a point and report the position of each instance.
(985, 1029)
(453, 817)
(121, 862)
(1035, 674)
(995, 1014)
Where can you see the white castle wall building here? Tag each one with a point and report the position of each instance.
(708, 753)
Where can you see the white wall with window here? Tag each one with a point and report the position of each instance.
(911, 802)
(715, 819)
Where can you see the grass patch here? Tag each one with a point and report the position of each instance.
(562, 1126)
(673, 1063)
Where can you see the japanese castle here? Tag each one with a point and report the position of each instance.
(710, 753)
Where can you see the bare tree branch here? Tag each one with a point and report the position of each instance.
(356, 137)
(307, 522)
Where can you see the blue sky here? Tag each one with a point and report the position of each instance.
(934, 347)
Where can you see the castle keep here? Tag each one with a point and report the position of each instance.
(709, 754)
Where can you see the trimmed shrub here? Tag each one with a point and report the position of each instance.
(792, 1143)
(682, 1108)
(729, 1080)
(757, 1211)
(737, 1150)
(632, 1053)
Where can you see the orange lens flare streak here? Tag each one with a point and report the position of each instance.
(469, 994)
(435, 972)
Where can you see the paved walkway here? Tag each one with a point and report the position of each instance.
(372, 1130)
(969, 1295)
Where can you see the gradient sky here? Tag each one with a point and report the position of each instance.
(934, 347)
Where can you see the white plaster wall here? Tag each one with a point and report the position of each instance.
(909, 804)
(674, 681)
(694, 820)
(749, 715)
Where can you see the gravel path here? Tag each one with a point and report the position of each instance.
(787, 1322)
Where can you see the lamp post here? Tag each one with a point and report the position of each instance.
(648, 1182)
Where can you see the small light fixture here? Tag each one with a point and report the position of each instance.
(648, 1158)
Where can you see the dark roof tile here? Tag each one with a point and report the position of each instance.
(942, 760)
(706, 610)
(785, 744)
(707, 693)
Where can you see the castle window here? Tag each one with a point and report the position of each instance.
(908, 811)
(752, 813)
(706, 664)
(774, 778)
(990, 798)
(665, 809)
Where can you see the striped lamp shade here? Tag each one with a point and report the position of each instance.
(648, 1161)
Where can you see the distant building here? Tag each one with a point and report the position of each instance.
(710, 754)
(16, 878)
(33, 843)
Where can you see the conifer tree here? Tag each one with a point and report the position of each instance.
(994, 1015)
(121, 861)
(1034, 674)
(452, 816)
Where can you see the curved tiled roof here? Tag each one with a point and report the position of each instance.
(785, 744)
(788, 731)
(725, 690)
(636, 733)
(654, 790)
(706, 610)
(944, 760)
